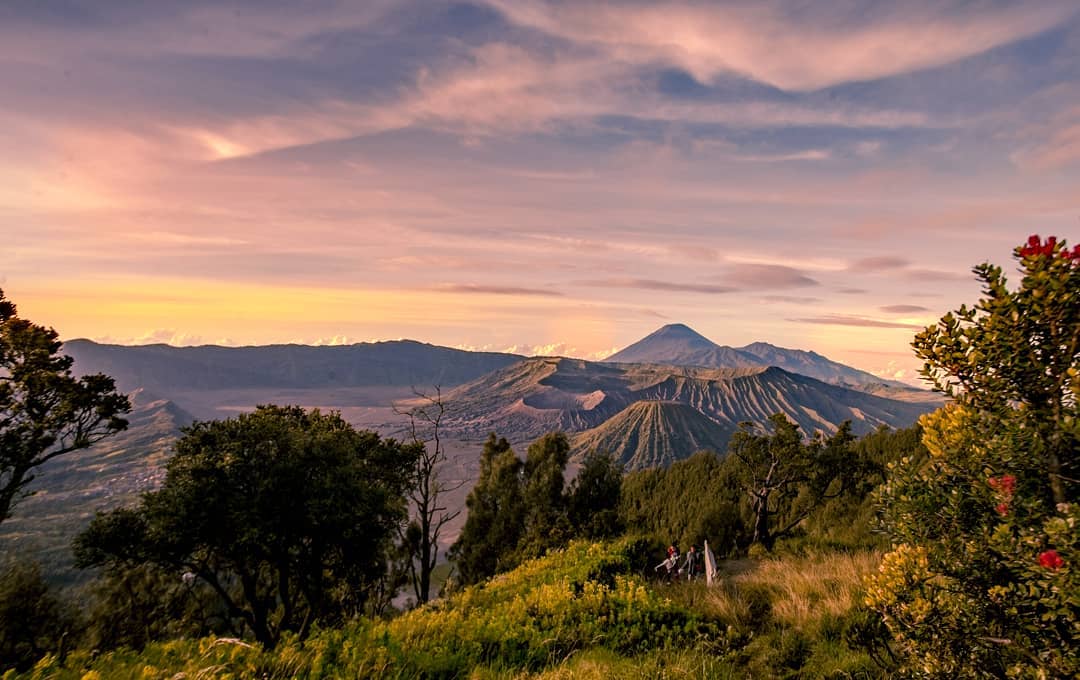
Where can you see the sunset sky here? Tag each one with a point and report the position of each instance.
(556, 178)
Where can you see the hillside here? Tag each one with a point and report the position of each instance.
(650, 434)
(538, 395)
(70, 488)
(581, 612)
(680, 345)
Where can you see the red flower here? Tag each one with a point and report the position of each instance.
(1035, 247)
(1002, 509)
(1051, 560)
(1005, 484)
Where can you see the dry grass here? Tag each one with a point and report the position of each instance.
(792, 592)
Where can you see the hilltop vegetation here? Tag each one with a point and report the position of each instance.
(576, 611)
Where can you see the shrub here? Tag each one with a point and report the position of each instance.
(982, 578)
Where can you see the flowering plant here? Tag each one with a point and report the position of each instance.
(982, 581)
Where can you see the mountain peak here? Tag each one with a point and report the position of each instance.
(678, 332)
(676, 327)
(680, 345)
(653, 433)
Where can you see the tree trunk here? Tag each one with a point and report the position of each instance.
(761, 522)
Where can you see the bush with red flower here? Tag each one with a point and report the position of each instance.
(983, 578)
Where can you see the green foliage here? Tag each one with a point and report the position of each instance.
(1015, 355)
(135, 605)
(593, 500)
(820, 491)
(546, 523)
(787, 478)
(982, 580)
(532, 618)
(45, 412)
(287, 515)
(849, 519)
(691, 501)
(495, 524)
(33, 619)
(519, 510)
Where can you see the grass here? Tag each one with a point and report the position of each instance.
(577, 613)
(787, 616)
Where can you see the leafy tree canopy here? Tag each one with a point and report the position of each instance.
(45, 412)
(786, 478)
(286, 514)
(495, 521)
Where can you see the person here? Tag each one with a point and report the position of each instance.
(671, 563)
(691, 565)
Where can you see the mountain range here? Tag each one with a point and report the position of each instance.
(164, 369)
(680, 345)
(542, 394)
(522, 398)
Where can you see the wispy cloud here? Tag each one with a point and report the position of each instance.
(791, 299)
(1055, 144)
(792, 51)
(903, 309)
(480, 289)
(845, 320)
(879, 263)
(768, 276)
(452, 171)
(808, 155)
(667, 286)
(935, 275)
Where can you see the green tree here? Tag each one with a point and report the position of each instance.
(33, 619)
(495, 522)
(287, 515)
(546, 522)
(45, 412)
(694, 500)
(786, 478)
(850, 518)
(982, 578)
(593, 499)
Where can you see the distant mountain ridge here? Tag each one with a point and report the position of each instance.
(650, 434)
(680, 345)
(164, 369)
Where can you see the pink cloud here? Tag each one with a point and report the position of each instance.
(760, 42)
(1056, 144)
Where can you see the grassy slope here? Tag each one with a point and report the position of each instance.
(581, 612)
